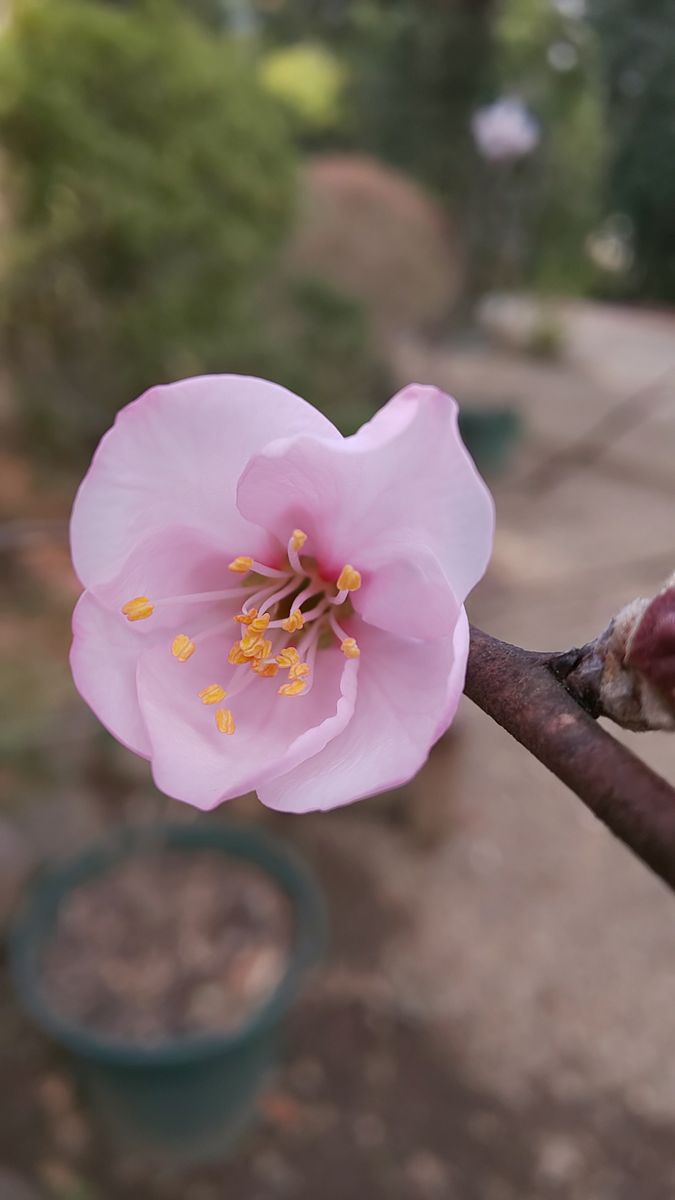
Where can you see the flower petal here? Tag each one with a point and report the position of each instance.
(106, 647)
(103, 660)
(407, 696)
(409, 596)
(173, 561)
(192, 761)
(174, 456)
(404, 481)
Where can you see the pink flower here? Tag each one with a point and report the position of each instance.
(250, 572)
(505, 130)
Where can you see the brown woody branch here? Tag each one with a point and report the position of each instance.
(526, 693)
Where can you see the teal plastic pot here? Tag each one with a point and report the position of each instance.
(190, 1096)
(491, 436)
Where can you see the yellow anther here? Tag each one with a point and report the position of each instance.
(235, 656)
(298, 539)
(212, 694)
(299, 670)
(350, 648)
(349, 579)
(260, 651)
(288, 656)
(259, 624)
(225, 720)
(182, 647)
(266, 670)
(138, 609)
(246, 618)
(250, 643)
(292, 689)
(241, 565)
(293, 622)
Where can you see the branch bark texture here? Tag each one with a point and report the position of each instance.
(525, 693)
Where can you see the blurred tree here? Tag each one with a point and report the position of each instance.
(637, 39)
(548, 57)
(416, 69)
(149, 179)
(421, 66)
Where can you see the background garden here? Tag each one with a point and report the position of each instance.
(344, 195)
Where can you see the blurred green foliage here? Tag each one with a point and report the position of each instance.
(150, 179)
(414, 71)
(637, 38)
(419, 70)
(551, 61)
(309, 80)
(320, 346)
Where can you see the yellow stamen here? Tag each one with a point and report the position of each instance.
(241, 565)
(246, 618)
(212, 694)
(182, 647)
(249, 643)
(350, 648)
(292, 689)
(254, 646)
(225, 720)
(293, 622)
(288, 656)
(298, 539)
(266, 670)
(259, 624)
(235, 656)
(349, 579)
(138, 609)
(299, 670)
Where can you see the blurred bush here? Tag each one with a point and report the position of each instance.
(319, 344)
(149, 178)
(377, 235)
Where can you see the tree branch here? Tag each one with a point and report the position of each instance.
(520, 691)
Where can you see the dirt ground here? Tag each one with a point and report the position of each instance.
(496, 1019)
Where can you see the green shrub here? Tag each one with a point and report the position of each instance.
(150, 178)
(333, 361)
(318, 342)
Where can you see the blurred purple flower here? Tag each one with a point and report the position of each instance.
(505, 131)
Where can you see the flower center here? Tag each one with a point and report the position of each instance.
(288, 614)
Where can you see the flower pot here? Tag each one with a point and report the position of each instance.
(491, 435)
(186, 1096)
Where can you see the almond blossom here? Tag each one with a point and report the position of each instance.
(272, 606)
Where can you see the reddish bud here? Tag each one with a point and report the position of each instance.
(651, 650)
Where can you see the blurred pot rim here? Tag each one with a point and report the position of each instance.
(35, 920)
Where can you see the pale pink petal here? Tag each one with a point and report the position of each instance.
(106, 647)
(103, 660)
(409, 596)
(174, 561)
(174, 457)
(407, 696)
(192, 761)
(404, 481)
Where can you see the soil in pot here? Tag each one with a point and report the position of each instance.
(168, 944)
